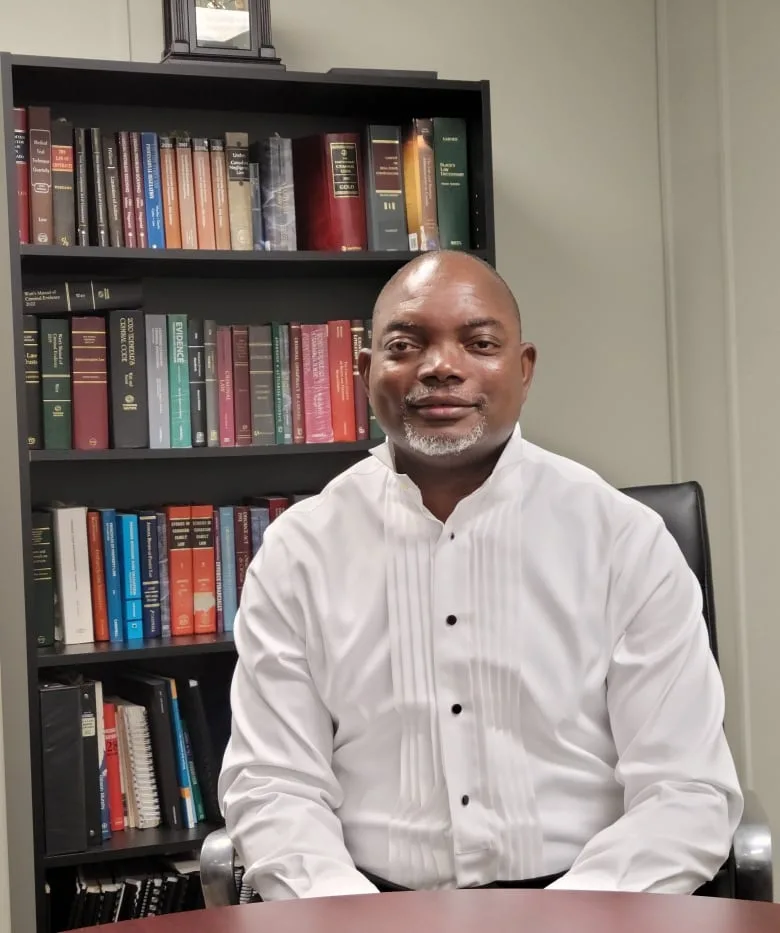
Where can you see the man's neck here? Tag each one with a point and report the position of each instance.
(446, 481)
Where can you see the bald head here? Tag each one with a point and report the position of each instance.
(431, 270)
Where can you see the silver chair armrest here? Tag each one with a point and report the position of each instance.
(752, 846)
(217, 864)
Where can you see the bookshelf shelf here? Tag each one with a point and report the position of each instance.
(142, 650)
(90, 103)
(197, 452)
(135, 843)
(99, 261)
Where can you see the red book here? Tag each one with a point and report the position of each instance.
(358, 389)
(90, 383)
(116, 808)
(179, 519)
(41, 195)
(204, 583)
(342, 389)
(296, 384)
(242, 399)
(330, 208)
(227, 417)
(275, 505)
(316, 384)
(243, 535)
(97, 576)
(126, 185)
(22, 154)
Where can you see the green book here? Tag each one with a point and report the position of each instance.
(280, 345)
(179, 381)
(56, 384)
(375, 432)
(452, 182)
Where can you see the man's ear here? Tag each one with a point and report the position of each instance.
(364, 367)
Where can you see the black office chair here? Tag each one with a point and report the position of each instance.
(747, 873)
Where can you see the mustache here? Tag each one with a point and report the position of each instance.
(420, 395)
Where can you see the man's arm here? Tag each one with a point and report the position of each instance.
(665, 699)
(277, 789)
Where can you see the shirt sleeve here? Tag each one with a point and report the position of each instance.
(665, 698)
(277, 789)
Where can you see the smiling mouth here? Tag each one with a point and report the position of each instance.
(443, 411)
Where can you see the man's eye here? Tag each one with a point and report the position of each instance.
(398, 346)
(484, 344)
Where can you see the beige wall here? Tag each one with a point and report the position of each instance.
(582, 237)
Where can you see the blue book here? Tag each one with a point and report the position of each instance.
(227, 552)
(130, 575)
(112, 575)
(182, 766)
(259, 518)
(150, 573)
(155, 223)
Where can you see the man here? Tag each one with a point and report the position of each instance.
(470, 661)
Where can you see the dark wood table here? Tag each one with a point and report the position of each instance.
(502, 911)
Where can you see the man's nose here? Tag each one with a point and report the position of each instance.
(440, 363)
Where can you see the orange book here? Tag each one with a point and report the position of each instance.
(97, 575)
(204, 582)
(189, 224)
(179, 518)
(204, 201)
(220, 193)
(342, 384)
(169, 184)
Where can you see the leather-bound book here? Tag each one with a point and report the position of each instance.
(90, 383)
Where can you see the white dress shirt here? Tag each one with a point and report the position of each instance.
(524, 689)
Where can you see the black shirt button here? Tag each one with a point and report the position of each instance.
(451, 620)
(452, 535)
(457, 709)
(465, 800)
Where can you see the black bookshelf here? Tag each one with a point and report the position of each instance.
(227, 286)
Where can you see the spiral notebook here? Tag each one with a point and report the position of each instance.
(136, 763)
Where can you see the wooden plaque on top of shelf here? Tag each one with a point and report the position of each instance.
(219, 30)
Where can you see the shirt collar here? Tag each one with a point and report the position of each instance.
(510, 455)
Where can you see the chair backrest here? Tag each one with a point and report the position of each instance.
(681, 506)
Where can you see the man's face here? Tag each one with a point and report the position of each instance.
(449, 372)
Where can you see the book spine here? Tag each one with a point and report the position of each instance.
(278, 194)
(126, 188)
(342, 396)
(43, 578)
(345, 191)
(452, 190)
(56, 384)
(278, 364)
(243, 535)
(358, 331)
(82, 185)
(219, 182)
(256, 205)
(204, 584)
(212, 382)
(204, 198)
(150, 573)
(238, 185)
(261, 385)
(112, 575)
(90, 383)
(197, 379)
(98, 187)
(286, 385)
(97, 576)
(32, 381)
(63, 183)
(170, 192)
(114, 780)
(219, 608)
(71, 556)
(162, 558)
(139, 198)
(241, 396)
(189, 819)
(116, 234)
(158, 397)
(180, 569)
(129, 406)
(420, 186)
(155, 226)
(130, 575)
(41, 212)
(227, 548)
(316, 384)
(179, 381)
(187, 214)
(385, 206)
(22, 160)
(298, 415)
(227, 418)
